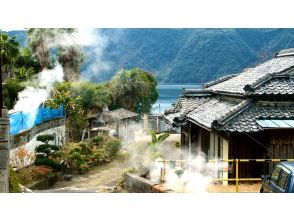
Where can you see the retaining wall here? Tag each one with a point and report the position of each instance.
(136, 184)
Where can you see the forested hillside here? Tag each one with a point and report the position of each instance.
(190, 55)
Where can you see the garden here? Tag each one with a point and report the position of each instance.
(66, 161)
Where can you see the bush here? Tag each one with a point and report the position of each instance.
(100, 156)
(112, 147)
(85, 148)
(97, 140)
(75, 160)
(84, 168)
(39, 172)
(45, 138)
(40, 160)
(14, 182)
(120, 183)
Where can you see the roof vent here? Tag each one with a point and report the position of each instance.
(286, 52)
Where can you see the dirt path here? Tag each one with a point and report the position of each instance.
(100, 179)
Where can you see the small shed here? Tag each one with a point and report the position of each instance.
(116, 122)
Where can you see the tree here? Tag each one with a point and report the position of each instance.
(40, 41)
(50, 45)
(70, 58)
(134, 90)
(94, 97)
(11, 88)
(62, 95)
(9, 50)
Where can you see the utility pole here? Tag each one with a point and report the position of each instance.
(4, 136)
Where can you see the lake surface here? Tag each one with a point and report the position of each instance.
(168, 94)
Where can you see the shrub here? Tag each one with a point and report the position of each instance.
(45, 138)
(85, 148)
(75, 160)
(97, 140)
(100, 156)
(14, 182)
(39, 172)
(120, 183)
(22, 157)
(40, 160)
(112, 147)
(84, 168)
(123, 155)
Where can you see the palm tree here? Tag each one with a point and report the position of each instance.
(128, 87)
(9, 50)
(40, 41)
(70, 58)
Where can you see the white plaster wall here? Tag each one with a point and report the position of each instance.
(30, 146)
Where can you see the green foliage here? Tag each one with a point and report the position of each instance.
(134, 90)
(62, 95)
(156, 140)
(9, 50)
(45, 138)
(41, 160)
(120, 183)
(14, 182)
(11, 88)
(97, 140)
(100, 156)
(45, 153)
(112, 147)
(94, 97)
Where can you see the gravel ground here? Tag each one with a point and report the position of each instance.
(249, 188)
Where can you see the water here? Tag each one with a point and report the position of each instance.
(168, 94)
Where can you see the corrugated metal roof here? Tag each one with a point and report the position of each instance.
(276, 123)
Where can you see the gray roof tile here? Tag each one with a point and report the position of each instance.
(250, 76)
(245, 120)
(276, 86)
(213, 109)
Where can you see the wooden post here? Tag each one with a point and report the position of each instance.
(237, 175)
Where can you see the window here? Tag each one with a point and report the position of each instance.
(283, 178)
(275, 174)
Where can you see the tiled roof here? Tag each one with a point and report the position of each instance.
(212, 110)
(184, 105)
(120, 114)
(275, 86)
(189, 100)
(245, 119)
(237, 83)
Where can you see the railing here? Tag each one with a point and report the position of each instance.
(234, 161)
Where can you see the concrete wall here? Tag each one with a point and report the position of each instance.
(135, 184)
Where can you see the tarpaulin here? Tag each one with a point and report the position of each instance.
(21, 121)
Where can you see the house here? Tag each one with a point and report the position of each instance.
(249, 115)
(116, 122)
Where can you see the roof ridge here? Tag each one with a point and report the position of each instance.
(220, 80)
(231, 114)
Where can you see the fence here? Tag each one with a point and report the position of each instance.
(234, 161)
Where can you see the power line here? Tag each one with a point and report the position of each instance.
(261, 144)
(79, 43)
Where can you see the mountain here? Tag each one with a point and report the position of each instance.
(189, 55)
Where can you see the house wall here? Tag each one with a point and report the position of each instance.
(243, 146)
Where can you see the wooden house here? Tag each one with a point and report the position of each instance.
(249, 115)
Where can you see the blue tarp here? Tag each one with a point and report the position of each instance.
(21, 121)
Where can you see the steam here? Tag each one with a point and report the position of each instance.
(193, 176)
(39, 90)
(95, 42)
